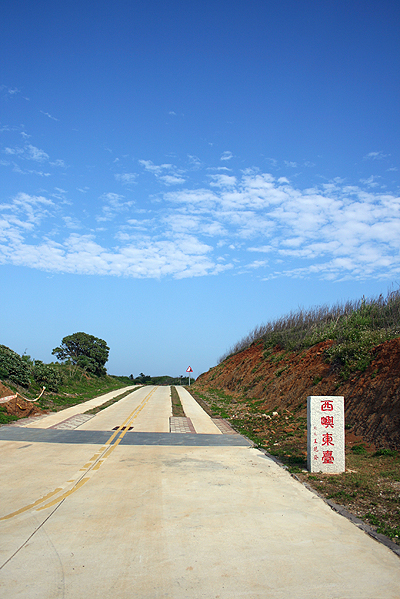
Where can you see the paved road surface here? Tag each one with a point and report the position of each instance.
(139, 512)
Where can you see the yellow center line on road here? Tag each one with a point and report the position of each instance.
(91, 466)
(32, 505)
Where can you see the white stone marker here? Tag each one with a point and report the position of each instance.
(325, 434)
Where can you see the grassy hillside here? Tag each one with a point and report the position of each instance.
(355, 328)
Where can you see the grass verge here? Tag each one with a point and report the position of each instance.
(177, 409)
(77, 387)
(110, 402)
(6, 418)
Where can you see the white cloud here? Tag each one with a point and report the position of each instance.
(359, 230)
(24, 213)
(148, 165)
(257, 264)
(10, 91)
(172, 179)
(226, 155)
(376, 156)
(18, 169)
(126, 178)
(114, 203)
(81, 254)
(71, 222)
(329, 231)
(167, 173)
(222, 180)
(59, 162)
(370, 181)
(33, 153)
(49, 115)
(29, 152)
(194, 162)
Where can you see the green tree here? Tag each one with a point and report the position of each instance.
(88, 352)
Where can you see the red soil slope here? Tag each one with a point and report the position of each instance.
(18, 406)
(285, 379)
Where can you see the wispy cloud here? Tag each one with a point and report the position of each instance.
(58, 162)
(172, 179)
(81, 254)
(17, 169)
(9, 92)
(53, 118)
(371, 182)
(226, 155)
(194, 162)
(167, 173)
(28, 152)
(126, 178)
(376, 156)
(222, 181)
(330, 231)
(113, 204)
(357, 229)
(33, 153)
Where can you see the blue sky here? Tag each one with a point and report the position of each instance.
(174, 174)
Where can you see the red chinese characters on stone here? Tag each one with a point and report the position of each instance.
(327, 439)
(327, 421)
(327, 457)
(326, 405)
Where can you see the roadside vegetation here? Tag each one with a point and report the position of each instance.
(165, 380)
(177, 408)
(356, 327)
(80, 376)
(76, 386)
(110, 402)
(370, 487)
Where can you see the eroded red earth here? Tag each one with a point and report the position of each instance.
(286, 379)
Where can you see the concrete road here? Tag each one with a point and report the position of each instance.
(95, 512)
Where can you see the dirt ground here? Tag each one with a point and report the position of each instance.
(18, 406)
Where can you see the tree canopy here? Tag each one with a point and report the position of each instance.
(88, 352)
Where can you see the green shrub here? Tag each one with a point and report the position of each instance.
(385, 452)
(359, 449)
(13, 367)
(6, 418)
(47, 375)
